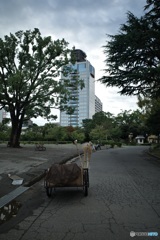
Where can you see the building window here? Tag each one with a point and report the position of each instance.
(81, 67)
(92, 71)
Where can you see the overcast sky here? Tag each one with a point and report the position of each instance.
(84, 24)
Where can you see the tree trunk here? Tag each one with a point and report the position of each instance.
(15, 132)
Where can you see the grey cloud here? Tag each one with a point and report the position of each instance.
(72, 12)
(83, 23)
(80, 19)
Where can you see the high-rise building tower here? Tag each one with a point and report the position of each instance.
(2, 115)
(85, 98)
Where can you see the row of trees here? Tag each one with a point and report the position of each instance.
(103, 127)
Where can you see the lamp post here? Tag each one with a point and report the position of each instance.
(146, 137)
(130, 136)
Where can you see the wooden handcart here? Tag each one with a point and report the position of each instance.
(66, 175)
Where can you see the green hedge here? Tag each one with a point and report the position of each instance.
(45, 142)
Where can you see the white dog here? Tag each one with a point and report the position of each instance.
(87, 150)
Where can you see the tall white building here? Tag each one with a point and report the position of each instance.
(85, 98)
(2, 115)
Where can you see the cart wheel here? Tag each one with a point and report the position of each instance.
(87, 178)
(85, 183)
(86, 191)
(49, 191)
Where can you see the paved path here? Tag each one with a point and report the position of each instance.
(124, 196)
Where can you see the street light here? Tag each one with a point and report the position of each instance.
(130, 136)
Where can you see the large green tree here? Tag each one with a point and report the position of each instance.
(104, 119)
(133, 55)
(131, 122)
(29, 69)
(151, 114)
(87, 125)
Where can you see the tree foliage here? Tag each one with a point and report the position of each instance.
(99, 129)
(133, 55)
(102, 118)
(29, 69)
(131, 122)
(4, 131)
(153, 122)
(151, 114)
(98, 133)
(87, 125)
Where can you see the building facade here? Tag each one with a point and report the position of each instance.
(98, 105)
(2, 115)
(84, 102)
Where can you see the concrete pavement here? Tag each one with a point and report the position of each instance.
(30, 164)
(123, 198)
